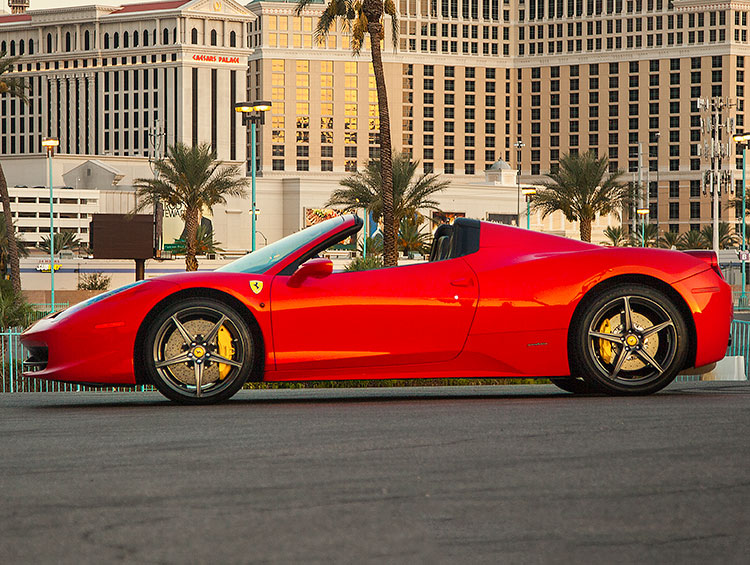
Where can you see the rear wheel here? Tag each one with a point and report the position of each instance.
(631, 339)
(199, 351)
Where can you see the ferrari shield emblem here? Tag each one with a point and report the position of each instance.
(256, 286)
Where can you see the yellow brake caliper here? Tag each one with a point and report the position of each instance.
(225, 350)
(605, 346)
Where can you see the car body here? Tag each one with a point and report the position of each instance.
(493, 301)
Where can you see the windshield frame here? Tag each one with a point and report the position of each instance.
(301, 246)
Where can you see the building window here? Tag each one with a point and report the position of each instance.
(695, 210)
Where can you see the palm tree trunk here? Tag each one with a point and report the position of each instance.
(586, 229)
(15, 270)
(191, 230)
(373, 10)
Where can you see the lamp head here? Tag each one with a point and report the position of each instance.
(257, 106)
(49, 142)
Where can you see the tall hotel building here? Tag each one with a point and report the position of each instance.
(100, 77)
(467, 81)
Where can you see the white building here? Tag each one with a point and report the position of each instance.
(101, 77)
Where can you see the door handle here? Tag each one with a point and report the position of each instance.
(462, 282)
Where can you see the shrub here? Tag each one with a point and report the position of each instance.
(14, 310)
(365, 263)
(94, 281)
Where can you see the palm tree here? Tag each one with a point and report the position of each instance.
(5, 246)
(190, 178)
(12, 87)
(365, 189)
(726, 236)
(616, 236)
(693, 239)
(651, 236)
(411, 239)
(359, 17)
(582, 188)
(204, 243)
(671, 240)
(62, 240)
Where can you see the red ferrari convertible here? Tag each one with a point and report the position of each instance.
(492, 301)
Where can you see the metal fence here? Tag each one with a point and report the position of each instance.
(740, 341)
(12, 380)
(12, 355)
(44, 309)
(740, 302)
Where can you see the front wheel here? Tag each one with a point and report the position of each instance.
(199, 351)
(630, 339)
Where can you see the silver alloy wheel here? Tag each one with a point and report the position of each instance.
(198, 352)
(632, 340)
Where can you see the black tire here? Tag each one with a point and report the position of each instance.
(184, 344)
(574, 385)
(629, 340)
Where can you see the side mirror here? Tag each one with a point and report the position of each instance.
(315, 268)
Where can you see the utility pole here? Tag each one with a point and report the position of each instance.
(641, 197)
(717, 131)
(156, 141)
(518, 145)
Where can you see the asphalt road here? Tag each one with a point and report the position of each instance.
(514, 474)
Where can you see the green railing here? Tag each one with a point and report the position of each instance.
(12, 355)
(12, 379)
(42, 309)
(740, 302)
(740, 341)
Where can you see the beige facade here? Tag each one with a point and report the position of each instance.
(467, 80)
(470, 79)
(128, 80)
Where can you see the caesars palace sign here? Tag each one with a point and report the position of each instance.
(216, 59)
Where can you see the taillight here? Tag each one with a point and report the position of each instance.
(710, 258)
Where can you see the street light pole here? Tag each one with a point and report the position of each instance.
(50, 143)
(518, 145)
(658, 137)
(252, 174)
(743, 138)
(253, 113)
(528, 192)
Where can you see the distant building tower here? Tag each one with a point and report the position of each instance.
(18, 6)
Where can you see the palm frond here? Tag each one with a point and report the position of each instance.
(363, 189)
(581, 189)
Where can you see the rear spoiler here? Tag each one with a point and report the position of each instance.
(708, 257)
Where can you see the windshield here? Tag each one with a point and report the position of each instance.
(260, 260)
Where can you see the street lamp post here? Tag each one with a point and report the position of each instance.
(528, 193)
(643, 212)
(658, 138)
(50, 143)
(252, 113)
(518, 145)
(743, 138)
